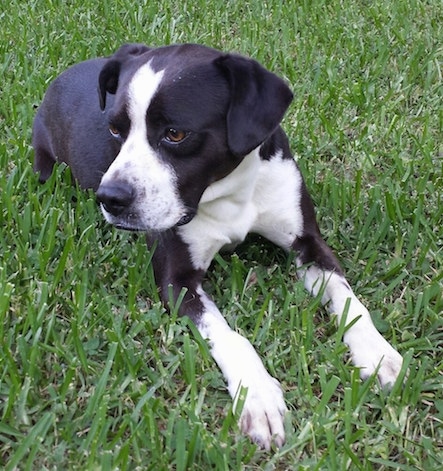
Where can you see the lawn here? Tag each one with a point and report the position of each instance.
(94, 374)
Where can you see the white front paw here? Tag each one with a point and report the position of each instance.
(263, 411)
(372, 353)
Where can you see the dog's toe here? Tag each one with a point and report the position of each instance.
(390, 367)
(376, 355)
(262, 416)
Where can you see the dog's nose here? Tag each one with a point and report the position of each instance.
(115, 197)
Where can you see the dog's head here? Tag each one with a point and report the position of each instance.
(185, 117)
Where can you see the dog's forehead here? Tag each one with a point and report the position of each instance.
(172, 78)
(190, 63)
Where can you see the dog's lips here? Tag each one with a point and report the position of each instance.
(127, 225)
(124, 227)
(188, 217)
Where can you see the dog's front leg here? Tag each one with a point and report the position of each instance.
(322, 274)
(263, 406)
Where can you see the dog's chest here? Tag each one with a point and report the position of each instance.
(257, 195)
(226, 213)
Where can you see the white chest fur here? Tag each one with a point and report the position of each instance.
(258, 196)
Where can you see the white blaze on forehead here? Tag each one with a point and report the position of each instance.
(141, 90)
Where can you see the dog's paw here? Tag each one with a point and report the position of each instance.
(372, 353)
(263, 412)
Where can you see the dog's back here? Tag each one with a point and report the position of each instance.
(60, 136)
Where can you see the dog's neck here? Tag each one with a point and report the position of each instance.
(238, 186)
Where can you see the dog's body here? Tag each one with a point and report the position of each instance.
(187, 146)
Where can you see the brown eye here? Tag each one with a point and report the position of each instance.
(114, 131)
(174, 135)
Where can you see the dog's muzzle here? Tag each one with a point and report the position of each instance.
(118, 200)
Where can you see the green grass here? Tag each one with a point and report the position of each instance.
(94, 374)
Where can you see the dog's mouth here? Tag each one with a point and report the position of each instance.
(135, 225)
(188, 217)
(124, 227)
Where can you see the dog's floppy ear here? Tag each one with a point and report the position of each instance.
(259, 100)
(108, 78)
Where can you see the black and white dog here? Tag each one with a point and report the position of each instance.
(184, 142)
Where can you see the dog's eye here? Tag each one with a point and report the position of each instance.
(175, 136)
(114, 131)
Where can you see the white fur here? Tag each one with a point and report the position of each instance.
(263, 407)
(369, 350)
(157, 205)
(277, 198)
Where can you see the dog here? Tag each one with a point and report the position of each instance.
(184, 142)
